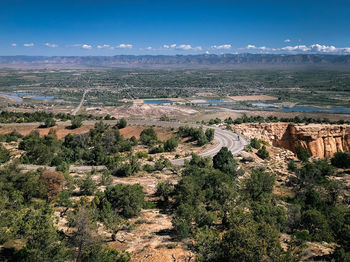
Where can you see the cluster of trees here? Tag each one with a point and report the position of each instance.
(38, 116)
(197, 134)
(97, 147)
(263, 153)
(274, 119)
(341, 160)
(318, 211)
(149, 137)
(26, 209)
(228, 223)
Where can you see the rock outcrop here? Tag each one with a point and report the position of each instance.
(321, 140)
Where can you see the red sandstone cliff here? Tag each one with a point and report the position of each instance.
(322, 140)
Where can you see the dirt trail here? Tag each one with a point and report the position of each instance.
(76, 110)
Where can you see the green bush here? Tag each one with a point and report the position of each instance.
(255, 143)
(209, 133)
(49, 122)
(303, 153)
(170, 145)
(76, 123)
(148, 137)
(4, 154)
(121, 123)
(341, 160)
(292, 167)
(127, 200)
(225, 162)
(263, 153)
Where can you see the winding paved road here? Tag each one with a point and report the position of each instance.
(234, 142)
(226, 138)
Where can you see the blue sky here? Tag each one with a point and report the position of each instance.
(74, 27)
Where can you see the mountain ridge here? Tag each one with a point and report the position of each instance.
(202, 60)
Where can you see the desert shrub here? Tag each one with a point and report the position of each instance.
(209, 133)
(121, 123)
(225, 162)
(148, 137)
(87, 185)
(170, 145)
(53, 181)
(164, 189)
(4, 154)
(148, 168)
(49, 122)
(76, 123)
(259, 184)
(303, 153)
(141, 154)
(292, 167)
(127, 200)
(341, 160)
(156, 149)
(255, 143)
(263, 153)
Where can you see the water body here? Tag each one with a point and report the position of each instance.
(337, 110)
(215, 102)
(42, 97)
(157, 102)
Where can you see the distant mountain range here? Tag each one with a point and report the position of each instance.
(187, 61)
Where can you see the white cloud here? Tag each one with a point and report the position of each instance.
(261, 48)
(51, 45)
(207, 52)
(149, 48)
(28, 45)
(287, 41)
(124, 46)
(188, 47)
(14, 44)
(218, 47)
(103, 46)
(85, 46)
(315, 48)
(302, 48)
(169, 46)
(184, 47)
(324, 48)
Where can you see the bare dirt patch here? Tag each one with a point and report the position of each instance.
(152, 238)
(143, 110)
(163, 133)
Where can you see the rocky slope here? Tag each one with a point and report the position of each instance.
(321, 140)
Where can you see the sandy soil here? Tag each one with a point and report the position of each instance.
(162, 133)
(143, 110)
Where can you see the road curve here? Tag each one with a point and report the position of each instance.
(234, 142)
(226, 138)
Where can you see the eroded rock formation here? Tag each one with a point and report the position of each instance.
(321, 140)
